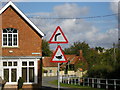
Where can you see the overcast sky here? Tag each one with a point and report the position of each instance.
(102, 31)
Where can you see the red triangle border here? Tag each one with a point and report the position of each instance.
(50, 41)
(55, 53)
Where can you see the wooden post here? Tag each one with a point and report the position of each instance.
(114, 84)
(93, 82)
(88, 81)
(106, 84)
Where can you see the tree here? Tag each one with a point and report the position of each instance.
(90, 55)
(99, 48)
(45, 48)
(74, 49)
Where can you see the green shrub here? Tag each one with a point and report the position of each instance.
(100, 71)
(20, 83)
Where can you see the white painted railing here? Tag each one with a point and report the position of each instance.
(110, 84)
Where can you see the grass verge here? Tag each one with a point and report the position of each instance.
(74, 86)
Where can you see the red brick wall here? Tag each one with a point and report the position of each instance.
(29, 40)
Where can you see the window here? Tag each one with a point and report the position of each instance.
(31, 63)
(31, 74)
(28, 71)
(4, 63)
(50, 71)
(6, 75)
(24, 73)
(9, 63)
(13, 75)
(24, 63)
(15, 63)
(10, 37)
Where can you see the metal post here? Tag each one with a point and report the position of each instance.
(58, 77)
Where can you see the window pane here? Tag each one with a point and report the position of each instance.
(31, 63)
(9, 63)
(24, 74)
(50, 71)
(14, 39)
(9, 39)
(14, 31)
(24, 63)
(4, 39)
(31, 74)
(6, 75)
(13, 75)
(15, 63)
(4, 63)
(4, 31)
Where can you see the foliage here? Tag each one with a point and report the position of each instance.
(44, 71)
(100, 71)
(74, 49)
(20, 83)
(45, 48)
(99, 48)
(81, 64)
(103, 65)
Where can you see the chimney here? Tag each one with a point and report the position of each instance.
(81, 54)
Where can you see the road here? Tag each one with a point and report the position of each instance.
(47, 86)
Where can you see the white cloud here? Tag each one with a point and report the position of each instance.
(71, 10)
(114, 6)
(75, 29)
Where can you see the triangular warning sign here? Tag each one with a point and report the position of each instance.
(58, 36)
(58, 55)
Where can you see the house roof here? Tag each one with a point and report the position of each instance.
(23, 15)
(72, 59)
(47, 63)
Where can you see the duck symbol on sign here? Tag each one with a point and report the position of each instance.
(59, 57)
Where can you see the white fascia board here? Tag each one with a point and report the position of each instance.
(23, 15)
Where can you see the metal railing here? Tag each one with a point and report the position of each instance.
(109, 84)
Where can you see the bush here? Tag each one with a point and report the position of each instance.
(20, 83)
(100, 71)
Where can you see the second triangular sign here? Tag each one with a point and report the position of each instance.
(58, 36)
(58, 55)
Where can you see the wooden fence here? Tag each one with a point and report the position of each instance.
(109, 84)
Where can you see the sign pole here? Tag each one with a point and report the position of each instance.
(58, 56)
(58, 76)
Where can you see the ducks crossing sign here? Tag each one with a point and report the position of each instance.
(58, 55)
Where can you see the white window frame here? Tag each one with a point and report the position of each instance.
(28, 70)
(10, 68)
(8, 40)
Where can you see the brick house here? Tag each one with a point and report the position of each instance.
(20, 50)
(49, 68)
(73, 60)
